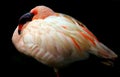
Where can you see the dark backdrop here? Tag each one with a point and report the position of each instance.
(101, 17)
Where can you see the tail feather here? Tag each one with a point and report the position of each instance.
(103, 51)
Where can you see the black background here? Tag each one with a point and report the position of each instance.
(101, 17)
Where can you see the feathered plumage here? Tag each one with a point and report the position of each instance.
(57, 39)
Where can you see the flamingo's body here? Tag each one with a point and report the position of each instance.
(57, 39)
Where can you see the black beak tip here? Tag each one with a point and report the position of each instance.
(26, 17)
(23, 19)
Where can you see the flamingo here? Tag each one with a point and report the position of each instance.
(56, 39)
